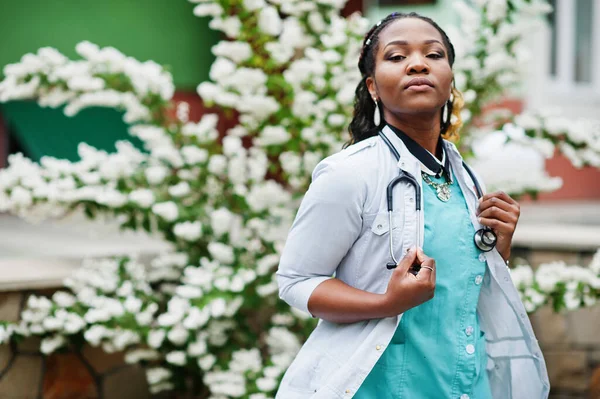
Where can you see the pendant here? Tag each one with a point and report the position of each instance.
(443, 193)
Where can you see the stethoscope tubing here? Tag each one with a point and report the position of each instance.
(480, 239)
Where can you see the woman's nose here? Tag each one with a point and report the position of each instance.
(417, 64)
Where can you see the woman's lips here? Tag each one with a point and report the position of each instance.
(419, 84)
(419, 88)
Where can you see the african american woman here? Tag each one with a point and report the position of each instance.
(409, 279)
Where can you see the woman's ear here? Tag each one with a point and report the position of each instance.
(370, 82)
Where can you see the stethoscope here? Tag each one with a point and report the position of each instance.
(485, 239)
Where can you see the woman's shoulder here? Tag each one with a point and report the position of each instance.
(352, 154)
(346, 168)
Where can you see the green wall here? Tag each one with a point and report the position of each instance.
(165, 31)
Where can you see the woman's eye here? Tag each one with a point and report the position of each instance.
(435, 55)
(397, 57)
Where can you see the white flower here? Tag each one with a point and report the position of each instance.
(283, 319)
(272, 135)
(178, 335)
(143, 197)
(188, 291)
(74, 323)
(279, 52)
(236, 51)
(267, 195)
(166, 210)
(206, 362)
(189, 231)
(180, 189)
(157, 374)
(194, 155)
(124, 338)
(136, 355)
(196, 318)
(197, 348)
(208, 9)
(95, 334)
(221, 68)
(217, 307)
(231, 26)
(269, 21)
(217, 164)
(52, 324)
(496, 10)
(170, 318)
(266, 384)
(111, 198)
(51, 344)
(336, 120)
(232, 146)
(177, 358)
(156, 338)
(21, 197)
(291, 162)
(93, 316)
(253, 5)
(572, 300)
(132, 304)
(220, 221)
(156, 174)
(221, 252)
(246, 360)
(63, 299)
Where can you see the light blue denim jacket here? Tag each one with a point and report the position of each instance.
(342, 228)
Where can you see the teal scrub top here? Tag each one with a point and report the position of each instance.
(438, 349)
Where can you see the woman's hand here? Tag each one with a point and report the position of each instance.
(406, 290)
(500, 212)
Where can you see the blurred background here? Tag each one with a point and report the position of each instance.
(562, 74)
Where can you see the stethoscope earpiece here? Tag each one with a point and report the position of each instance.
(391, 265)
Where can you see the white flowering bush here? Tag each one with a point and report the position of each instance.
(206, 316)
(564, 287)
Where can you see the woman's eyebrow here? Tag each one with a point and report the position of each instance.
(405, 43)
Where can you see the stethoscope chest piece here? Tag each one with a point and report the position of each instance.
(485, 239)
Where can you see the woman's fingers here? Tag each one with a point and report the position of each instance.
(498, 225)
(500, 214)
(427, 271)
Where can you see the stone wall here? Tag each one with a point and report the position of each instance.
(79, 373)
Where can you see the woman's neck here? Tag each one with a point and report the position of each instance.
(425, 130)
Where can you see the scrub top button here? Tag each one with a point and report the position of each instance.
(470, 349)
(481, 257)
(464, 396)
(469, 331)
(478, 279)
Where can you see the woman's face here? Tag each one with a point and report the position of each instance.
(412, 73)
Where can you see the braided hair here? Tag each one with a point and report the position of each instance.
(362, 125)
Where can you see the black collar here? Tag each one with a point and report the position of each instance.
(424, 156)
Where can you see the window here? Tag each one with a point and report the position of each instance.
(574, 43)
(564, 70)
